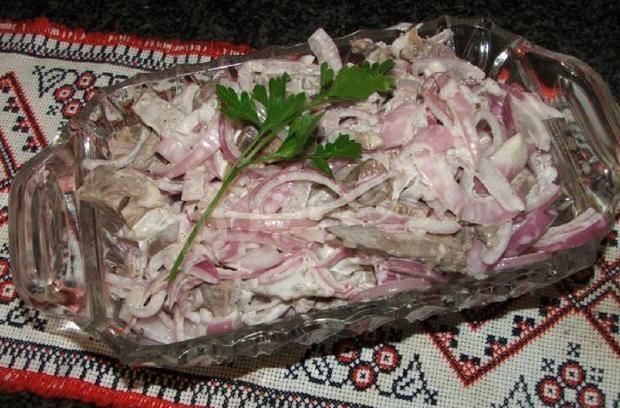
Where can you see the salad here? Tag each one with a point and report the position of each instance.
(297, 185)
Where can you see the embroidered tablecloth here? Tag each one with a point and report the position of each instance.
(555, 347)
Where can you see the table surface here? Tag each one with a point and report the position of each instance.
(587, 30)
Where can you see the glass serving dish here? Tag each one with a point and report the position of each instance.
(60, 247)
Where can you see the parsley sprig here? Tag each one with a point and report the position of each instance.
(301, 115)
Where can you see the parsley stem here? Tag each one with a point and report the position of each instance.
(247, 159)
(316, 101)
(230, 177)
(250, 151)
(259, 136)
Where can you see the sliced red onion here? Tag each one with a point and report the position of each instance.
(507, 116)
(511, 157)
(467, 136)
(123, 282)
(407, 266)
(292, 243)
(434, 226)
(475, 266)
(437, 137)
(271, 274)
(281, 271)
(585, 227)
(298, 197)
(262, 259)
(438, 108)
(274, 201)
(255, 172)
(245, 236)
(169, 186)
(229, 274)
(397, 127)
(156, 112)
(545, 110)
(438, 177)
(183, 282)
(154, 329)
(541, 195)
(205, 271)
(496, 106)
(499, 135)
(498, 186)
(179, 324)
(485, 211)
(314, 212)
(153, 306)
(384, 276)
(220, 325)
(535, 104)
(325, 49)
(219, 164)
(264, 225)
(391, 288)
(230, 252)
(491, 254)
(529, 230)
(172, 150)
(248, 202)
(463, 69)
(334, 258)
(201, 151)
(229, 148)
(194, 185)
(330, 283)
(529, 124)
(296, 175)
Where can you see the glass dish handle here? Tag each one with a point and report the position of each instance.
(46, 259)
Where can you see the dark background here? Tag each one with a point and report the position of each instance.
(589, 30)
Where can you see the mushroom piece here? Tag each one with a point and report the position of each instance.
(125, 193)
(365, 170)
(444, 251)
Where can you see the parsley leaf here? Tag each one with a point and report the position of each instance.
(280, 111)
(277, 90)
(343, 147)
(322, 165)
(277, 86)
(359, 82)
(298, 137)
(379, 68)
(327, 75)
(237, 106)
(259, 93)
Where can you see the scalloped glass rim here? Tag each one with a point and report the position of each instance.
(571, 83)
